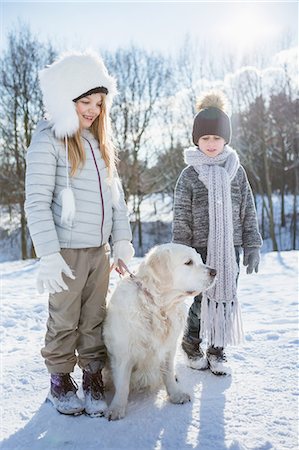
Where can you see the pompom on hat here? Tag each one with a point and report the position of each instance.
(71, 77)
(211, 118)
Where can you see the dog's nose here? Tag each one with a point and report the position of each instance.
(213, 272)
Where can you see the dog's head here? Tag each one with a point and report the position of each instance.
(176, 267)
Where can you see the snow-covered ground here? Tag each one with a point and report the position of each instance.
(256, 408)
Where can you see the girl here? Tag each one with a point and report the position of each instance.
(214, 212)
(74, 203)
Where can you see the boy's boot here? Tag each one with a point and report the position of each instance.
(196, 357)
(63, 394)
(93, 389)
(217, 361)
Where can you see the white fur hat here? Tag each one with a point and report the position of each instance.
(66, 79)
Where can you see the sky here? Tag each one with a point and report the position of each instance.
(160, 26)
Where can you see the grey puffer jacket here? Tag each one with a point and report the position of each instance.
(191, 211)
(95, 219)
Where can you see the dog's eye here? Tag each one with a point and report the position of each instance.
(189, 262)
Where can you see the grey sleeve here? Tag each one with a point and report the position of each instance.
(41, 161)
(250, 231)
(121, 229)
(182, 231)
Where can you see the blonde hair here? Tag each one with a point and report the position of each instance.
(102, 132)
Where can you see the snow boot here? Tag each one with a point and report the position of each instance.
(217, 361)
(196, 357)
(93, 389)
(63, 394)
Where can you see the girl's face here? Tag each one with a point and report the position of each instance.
(88, 109)
(211, 145)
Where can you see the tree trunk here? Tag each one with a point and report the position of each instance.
(268, 180)
(269, 195)
(32, 251)
(295, 211)
(139, 225)
(282, 212)
(263, 217)
(23, 230)
(283, 186)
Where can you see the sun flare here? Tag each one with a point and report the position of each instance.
(246, 29)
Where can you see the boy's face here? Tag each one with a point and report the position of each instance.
(211, 145)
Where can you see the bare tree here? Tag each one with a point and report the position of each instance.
(141, 78)
(20, 110)
(252, 134)
(162, 177)
(191, 68)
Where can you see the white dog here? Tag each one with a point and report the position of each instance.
(145, 318)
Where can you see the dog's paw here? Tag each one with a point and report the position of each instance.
(179, 398)
(115, 412)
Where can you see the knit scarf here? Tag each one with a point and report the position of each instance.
(221, 320)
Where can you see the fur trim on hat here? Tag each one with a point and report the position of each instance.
(212, 99)
(66, 79)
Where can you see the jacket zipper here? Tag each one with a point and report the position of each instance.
(100, 185)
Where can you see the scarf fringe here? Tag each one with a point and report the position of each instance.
(221, 323)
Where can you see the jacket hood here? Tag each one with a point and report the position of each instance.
(70, 76)
(42, 125)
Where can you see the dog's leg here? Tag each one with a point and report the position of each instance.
(169, 378)
(121, 378)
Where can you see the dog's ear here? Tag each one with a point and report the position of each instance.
(158, 265)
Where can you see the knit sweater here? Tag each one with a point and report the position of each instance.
(191, 211)
(95, 218)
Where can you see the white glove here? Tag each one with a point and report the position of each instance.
(123, 250)
(49, 275)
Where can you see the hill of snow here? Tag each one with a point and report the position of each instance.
(254, 409)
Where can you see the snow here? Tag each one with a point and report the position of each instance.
(254, 409)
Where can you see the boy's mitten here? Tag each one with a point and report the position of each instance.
(251, 258)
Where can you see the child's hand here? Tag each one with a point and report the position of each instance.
(49, 275)
(123, 250)
(251, 258)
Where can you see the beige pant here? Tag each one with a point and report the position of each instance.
(76, 316)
